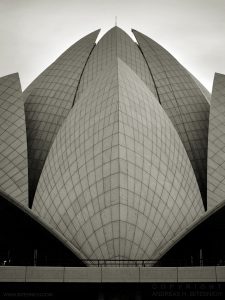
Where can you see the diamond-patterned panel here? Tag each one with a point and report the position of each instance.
(184, 103)
(117, 182)
(13, 142)
(216, 144)
(48, 101)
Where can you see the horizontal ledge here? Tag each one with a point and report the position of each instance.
(112, 274)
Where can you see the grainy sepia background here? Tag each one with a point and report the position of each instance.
(35, 32)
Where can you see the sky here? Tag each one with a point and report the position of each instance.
(35, 32)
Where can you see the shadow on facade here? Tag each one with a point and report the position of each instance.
(24, 242)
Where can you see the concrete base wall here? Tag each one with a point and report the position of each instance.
(112, 274)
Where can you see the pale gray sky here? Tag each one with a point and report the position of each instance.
(35, 32)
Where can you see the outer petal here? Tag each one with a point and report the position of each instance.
(183, 100)
(48, 101)
(216, 144)
(13, 142)
(117, 182)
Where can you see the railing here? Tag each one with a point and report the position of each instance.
(65, 262)
(120, 263)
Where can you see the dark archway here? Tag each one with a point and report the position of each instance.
(24, 241)
(203, 245)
